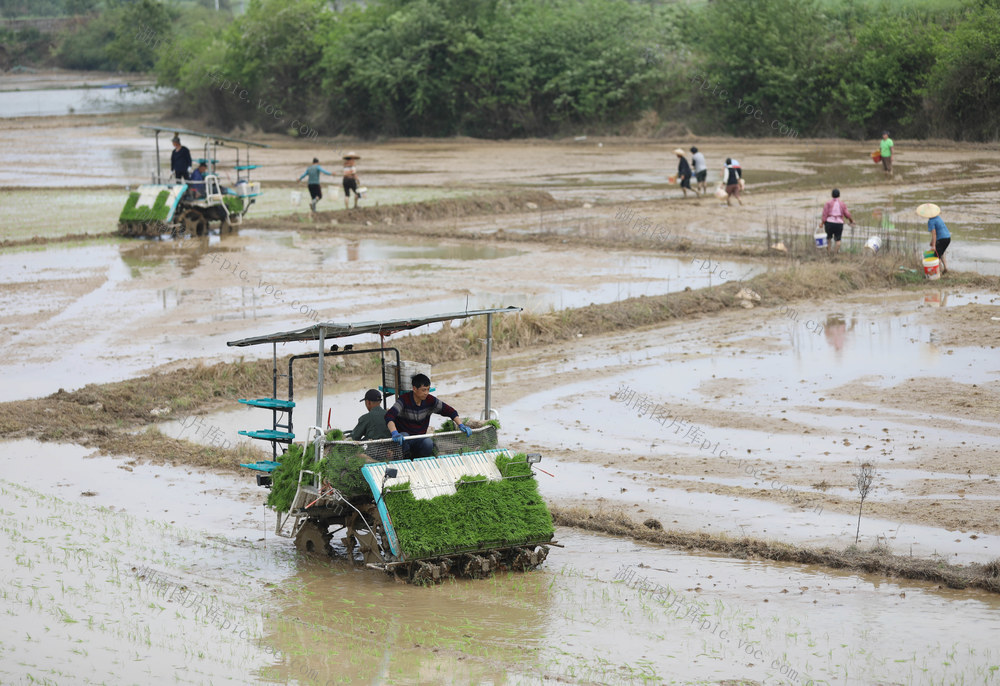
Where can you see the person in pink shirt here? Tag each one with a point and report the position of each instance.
(834, 213)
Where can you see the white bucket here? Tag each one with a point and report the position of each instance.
(873, 244)
(932, 268)
(296, 198)
(820, 239)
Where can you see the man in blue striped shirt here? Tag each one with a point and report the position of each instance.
(411, 414)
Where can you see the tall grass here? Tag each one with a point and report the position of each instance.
(798, 237)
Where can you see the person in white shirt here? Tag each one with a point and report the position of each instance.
(700, 170)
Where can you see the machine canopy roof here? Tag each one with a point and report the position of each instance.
(386, 327)
(214, 136)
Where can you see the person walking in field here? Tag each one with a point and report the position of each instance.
(885, 150)
(731, 174)
(315, 190)
(700, 170)
(351, 181)
(684, 173)
(940, 235)
(834, 213)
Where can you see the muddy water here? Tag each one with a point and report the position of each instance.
(108, 311)
(230, 603)
(652, 470)
(788, 431)
(102, 100)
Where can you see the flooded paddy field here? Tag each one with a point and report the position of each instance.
(84, 304)
(121, 570)
(734, 423)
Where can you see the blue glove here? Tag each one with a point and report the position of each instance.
(397, 437)
(467, 430)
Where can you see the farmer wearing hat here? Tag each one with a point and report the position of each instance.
(351, 178)
(684, 172)
(315, 190)
(180, 159)
(371, 425)
(940, 236)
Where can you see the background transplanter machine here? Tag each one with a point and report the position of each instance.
(166, 205)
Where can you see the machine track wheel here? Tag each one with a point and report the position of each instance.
(427, 572)
(194, 223)
(477, 566)
(225, 226)
(312, 538)
(527, 558)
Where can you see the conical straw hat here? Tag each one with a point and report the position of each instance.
(928, 210)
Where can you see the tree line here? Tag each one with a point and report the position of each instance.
(513, 68)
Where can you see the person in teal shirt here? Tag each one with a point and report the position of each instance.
(940, 235)
(885, 150)
(315, 191)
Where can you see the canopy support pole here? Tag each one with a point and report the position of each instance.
(319, 380)
(489, 366)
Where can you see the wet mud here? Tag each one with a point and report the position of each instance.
(667, 400)
(123, 563)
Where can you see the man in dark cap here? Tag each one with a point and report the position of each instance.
(371, 425)
(180, 160)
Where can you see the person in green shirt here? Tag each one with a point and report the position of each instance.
(885, 150)
(371, 425)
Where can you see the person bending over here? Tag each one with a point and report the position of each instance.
(411, 414)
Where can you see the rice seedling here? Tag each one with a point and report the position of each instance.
(864, 478)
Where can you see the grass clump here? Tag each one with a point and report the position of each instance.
(285, 478)
(451, 425)
(480, 514)
(339, 468)
(143, 213)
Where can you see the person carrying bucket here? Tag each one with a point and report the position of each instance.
(834, 212)
(351, 181)
(684, 172)
(940, 236)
